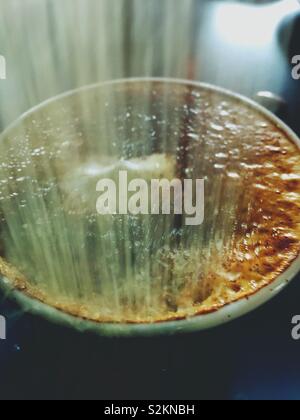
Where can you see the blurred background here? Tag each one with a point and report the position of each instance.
(51, 46)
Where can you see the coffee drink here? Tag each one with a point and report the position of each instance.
(147, 268)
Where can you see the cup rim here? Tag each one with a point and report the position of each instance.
(195, 323)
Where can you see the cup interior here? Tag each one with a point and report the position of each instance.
(149, 266)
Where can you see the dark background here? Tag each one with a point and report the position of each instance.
(254, 357)
(251, 358)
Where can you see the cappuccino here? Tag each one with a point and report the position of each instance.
(140, 268)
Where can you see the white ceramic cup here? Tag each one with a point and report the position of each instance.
(196, 323)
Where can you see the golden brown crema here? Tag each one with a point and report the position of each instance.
(136, 269)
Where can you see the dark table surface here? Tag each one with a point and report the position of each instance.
(254, 357)
(251, 358)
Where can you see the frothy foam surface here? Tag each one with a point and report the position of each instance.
(147, 268)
